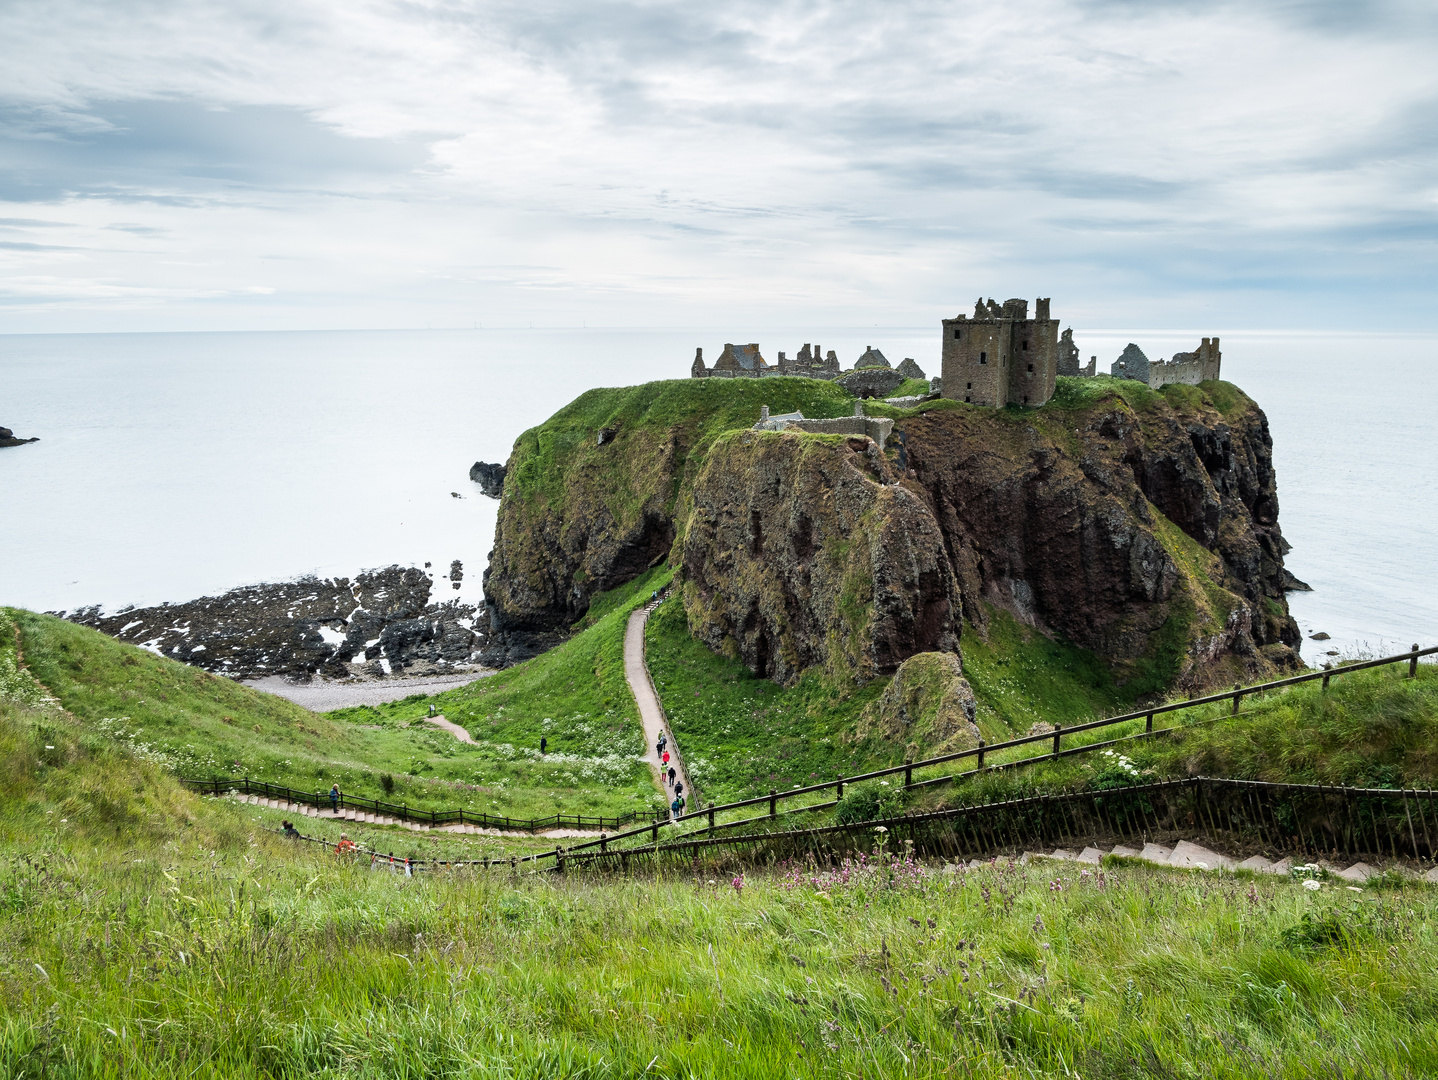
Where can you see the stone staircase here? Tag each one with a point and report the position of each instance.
(1187, 855)
(347, 814)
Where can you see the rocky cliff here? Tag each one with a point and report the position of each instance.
(1141, 525)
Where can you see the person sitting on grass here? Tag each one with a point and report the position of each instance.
(346, 846)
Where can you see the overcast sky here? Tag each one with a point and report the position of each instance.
(403, 163)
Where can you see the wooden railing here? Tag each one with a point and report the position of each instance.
(979, 753)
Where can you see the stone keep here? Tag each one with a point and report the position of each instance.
(1000, 356)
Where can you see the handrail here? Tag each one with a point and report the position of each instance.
(1235, 695)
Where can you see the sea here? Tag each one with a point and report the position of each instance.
(177, 465)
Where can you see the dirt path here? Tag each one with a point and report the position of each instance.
(454, 729)
(650, 712)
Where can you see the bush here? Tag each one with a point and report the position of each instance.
(386, 781)
(872, 801)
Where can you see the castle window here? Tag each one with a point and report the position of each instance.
(968, 398)
(969, 387)
(957, 331)
(983, 358)
(1026, 346)
(1031, 369)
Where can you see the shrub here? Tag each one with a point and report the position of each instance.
(871, 801)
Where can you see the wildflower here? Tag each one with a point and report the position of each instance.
(881, 828)
(1311, 885)
(738, 884)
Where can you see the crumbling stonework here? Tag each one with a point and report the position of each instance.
(1000, 356)
(874, 382)
(1187, 368)
(745, 362)
(877, 428)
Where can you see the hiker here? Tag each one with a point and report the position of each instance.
(672, 774)
(346, 846)
(663, 740)
(683, 802)
(335, 798)
(679, 787)
(543, 744)
(675, 807)
(664, 758)
(431, 710)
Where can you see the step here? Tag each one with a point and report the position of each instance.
(1190, 855)
(1359, 872)
(1126, 852)
(1156, 853)
(1091, 855)
(1256, 863)
(1063, 853)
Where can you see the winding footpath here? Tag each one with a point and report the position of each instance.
(651, 714)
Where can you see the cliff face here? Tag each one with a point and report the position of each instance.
(592, 497)
(1147, 532)
(1141, 525)
(802, 550)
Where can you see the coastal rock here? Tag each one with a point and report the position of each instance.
(337, 627)
(799, 552)
(7, 438)
(490, 478)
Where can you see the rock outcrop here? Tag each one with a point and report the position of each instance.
(1141, 525)
(801, 551)
(381, 622)
(928, 708)
(7, 438)
(490, 478)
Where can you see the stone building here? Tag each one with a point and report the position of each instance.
(1188, 368)
(1000, 356)
(877, 428)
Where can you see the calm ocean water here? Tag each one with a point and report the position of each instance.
(176, 465)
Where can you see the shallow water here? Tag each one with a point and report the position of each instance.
(177, 465)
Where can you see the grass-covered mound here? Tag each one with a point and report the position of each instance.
(198, 724)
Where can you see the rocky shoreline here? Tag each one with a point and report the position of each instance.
(380, 624)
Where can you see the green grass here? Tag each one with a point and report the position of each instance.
(1020, 677)
(201, 725)
(192, 945)
(742, 735)
(685, 413)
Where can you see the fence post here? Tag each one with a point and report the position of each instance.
(773, 803)
(603, 841)
(908, 773)
(1148, 725)
(981, 755)
(1058, 733)
(711, 815)
(1237, 696)
(655, 830)
(1413, 662)
(1326, 674)
(839, 789)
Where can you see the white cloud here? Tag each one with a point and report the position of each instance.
(396, 163)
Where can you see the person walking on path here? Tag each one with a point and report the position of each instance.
(664, 758)
(672, 775)
(674, 808)
(335, 798)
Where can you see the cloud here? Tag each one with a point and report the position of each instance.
(836, 159)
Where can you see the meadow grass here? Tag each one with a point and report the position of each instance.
(202, 725)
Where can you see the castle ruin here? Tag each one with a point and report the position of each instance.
(1000, 355)
(746, 362)
(1187, 368)
(877, 428)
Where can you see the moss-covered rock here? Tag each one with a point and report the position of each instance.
(928, 707)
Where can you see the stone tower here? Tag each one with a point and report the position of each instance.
(1000, 356)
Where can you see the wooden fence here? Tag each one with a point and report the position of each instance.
(772, 800)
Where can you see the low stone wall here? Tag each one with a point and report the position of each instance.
(878, 428)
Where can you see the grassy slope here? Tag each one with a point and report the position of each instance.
(199, 952)
(200, 724)
(574, 695)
